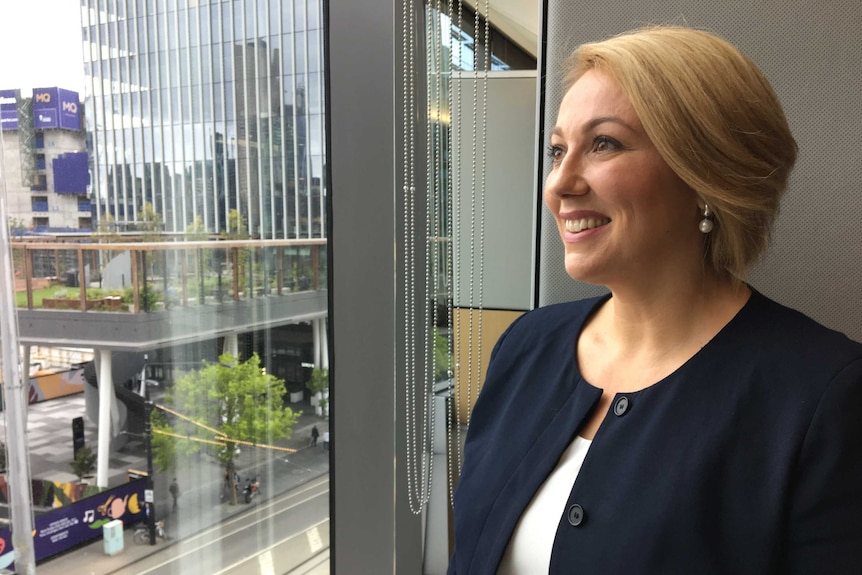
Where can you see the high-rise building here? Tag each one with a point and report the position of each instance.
(200, 108)
(47, 182)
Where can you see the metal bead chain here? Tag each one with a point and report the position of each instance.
(409, 279)
(481, 280)
(419, 467)
(474, 138)
(453, 428)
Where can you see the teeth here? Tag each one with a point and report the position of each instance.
(582, 224)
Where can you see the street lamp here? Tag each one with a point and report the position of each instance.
(148, 439)
(148, 442)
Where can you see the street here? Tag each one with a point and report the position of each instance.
(281, 533)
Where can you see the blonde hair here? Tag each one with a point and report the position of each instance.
(716, 121)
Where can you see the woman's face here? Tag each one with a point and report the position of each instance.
(622, 213)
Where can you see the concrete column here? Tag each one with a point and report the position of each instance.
(324, 344)
(106, 389)
(231, 345)
(315, 329)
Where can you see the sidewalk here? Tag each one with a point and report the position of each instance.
(199, 477)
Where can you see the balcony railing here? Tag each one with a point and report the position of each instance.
(152, 276)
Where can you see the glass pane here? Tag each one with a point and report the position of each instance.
(197, 384)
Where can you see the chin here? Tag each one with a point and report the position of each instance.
(582, 273)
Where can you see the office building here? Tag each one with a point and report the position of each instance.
(47, 183)
(199, 109)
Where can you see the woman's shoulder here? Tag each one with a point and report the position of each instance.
(547, 321)
(790, 328)
(790, 341)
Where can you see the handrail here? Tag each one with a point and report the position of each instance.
(248, 274)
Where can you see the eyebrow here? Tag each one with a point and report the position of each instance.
(595, 122)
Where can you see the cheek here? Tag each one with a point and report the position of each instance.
(551, 201)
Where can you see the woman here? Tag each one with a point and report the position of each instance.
(683, 424)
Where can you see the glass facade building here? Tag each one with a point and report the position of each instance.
(202, 107)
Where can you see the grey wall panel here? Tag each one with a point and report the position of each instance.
(811, 53)
(506, 253)
(373, 530)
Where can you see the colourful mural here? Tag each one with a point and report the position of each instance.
(78, 522)
(45, 385)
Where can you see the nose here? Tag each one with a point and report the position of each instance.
(566, 179)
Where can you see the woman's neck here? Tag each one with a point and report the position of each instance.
(658, 323)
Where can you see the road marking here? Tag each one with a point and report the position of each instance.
(314, 540)
(259, 520)
(269, 549)
(264, 563)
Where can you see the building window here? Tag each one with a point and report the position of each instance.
(39, 203)
(40, 222)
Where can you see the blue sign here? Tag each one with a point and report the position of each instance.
(8, 109)
(45, 119)
(71, 525)
(71, 174)
(8, 120)
(70, 118)
(56, 108)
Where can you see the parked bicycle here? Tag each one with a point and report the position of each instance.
(142, 533)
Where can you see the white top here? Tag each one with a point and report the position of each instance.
(529, 550)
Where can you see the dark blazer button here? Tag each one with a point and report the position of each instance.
(576, 515)
(621, 406)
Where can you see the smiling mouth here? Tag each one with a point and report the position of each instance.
(583, 224)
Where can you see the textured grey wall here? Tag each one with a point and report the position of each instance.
(811, 53)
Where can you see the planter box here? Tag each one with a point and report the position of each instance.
(105, 303)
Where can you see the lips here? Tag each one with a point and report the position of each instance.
(582, 224)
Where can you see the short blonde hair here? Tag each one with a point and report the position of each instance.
(716, 121)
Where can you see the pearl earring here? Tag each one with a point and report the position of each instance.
(706, 224)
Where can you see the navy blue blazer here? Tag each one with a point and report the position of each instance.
(745, 460)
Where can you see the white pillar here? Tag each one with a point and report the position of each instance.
(231, 345)
(315, 330)
(106, 388)
(324, 344)
(25, 374)
(16, 391)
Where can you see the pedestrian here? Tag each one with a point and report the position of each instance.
(175, 491)
(315, 433)
(326, 440)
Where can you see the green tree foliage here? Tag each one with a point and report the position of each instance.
(203, 259)
(237, 230)
(319, 380)
(442, 357)
(84, 463)
(196, 231)
(232, 401)
(151, 221)
(236, 226)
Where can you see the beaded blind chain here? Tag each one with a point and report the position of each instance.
(443, 221)
(418, 458)
(453, 424)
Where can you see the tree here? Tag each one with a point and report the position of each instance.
(226, 402)
(196, 232)
(319, 387)
(236, 230)
(84, 463)
(151, 221)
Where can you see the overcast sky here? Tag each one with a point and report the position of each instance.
(40, 45)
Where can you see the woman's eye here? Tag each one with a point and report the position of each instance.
(555, 153)
(605, 144)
